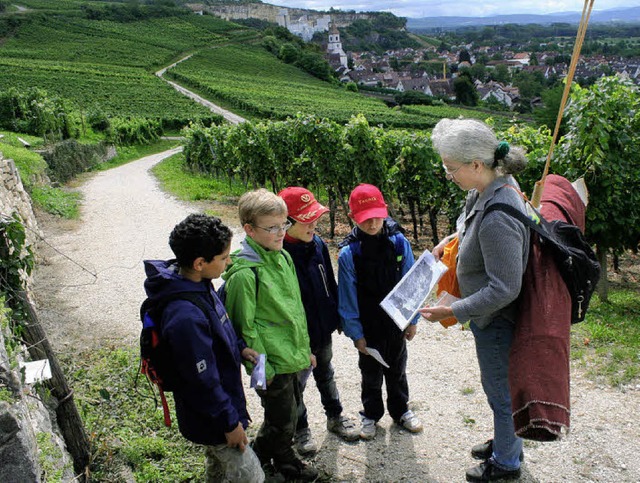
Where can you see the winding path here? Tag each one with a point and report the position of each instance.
(228, 115)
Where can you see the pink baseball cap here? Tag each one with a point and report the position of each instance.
(365, 202)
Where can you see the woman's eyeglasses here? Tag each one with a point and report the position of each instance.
(274, 230)
(451, 172)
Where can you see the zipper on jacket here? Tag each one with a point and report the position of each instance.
(324, 279)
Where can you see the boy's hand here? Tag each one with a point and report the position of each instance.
(248, 354)
(361, 345)
(313, 360)
(410, 331)
(237, 438)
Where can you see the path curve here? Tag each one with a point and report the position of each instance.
(126, 218)
(228, 115)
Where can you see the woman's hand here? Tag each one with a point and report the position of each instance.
(434, 314)
(438, 250)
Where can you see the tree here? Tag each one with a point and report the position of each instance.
(602, 145)
(465, 90)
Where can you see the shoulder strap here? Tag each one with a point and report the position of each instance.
(518, 215)
(159, 307)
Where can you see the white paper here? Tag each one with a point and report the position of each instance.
(408, 296)
(36, 371)
(259, 373)
(376, 355)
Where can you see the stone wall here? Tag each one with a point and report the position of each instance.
(31, 448)
(13, 198)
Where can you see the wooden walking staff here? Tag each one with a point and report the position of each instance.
(582, 29)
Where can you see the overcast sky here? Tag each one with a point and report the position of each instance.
(438, 8)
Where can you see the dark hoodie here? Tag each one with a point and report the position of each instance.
(209, 399)
(318, 288)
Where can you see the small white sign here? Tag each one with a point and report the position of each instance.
(36, 371)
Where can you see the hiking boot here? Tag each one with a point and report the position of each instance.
(305, 445)
(368, 428)
(484, 451)
(410, 422)
(487, 471)
(343, 427)
(297, 470)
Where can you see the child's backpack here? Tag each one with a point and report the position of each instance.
(572, 254)
(156, 360)
(222, 294)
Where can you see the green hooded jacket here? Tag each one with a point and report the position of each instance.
(275, 324)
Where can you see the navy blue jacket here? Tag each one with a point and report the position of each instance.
(318, 288)
(209, 398)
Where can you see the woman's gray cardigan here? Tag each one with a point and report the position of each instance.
(492, 255)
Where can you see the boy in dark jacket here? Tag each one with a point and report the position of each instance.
(209, 398)
(320, 299)
(372, 260)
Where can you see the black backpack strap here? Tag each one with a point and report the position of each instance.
(518, 215)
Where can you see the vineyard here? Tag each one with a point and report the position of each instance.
(249, 78)
(107, 66)
(311, 151)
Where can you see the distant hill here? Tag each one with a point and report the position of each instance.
(626, 15)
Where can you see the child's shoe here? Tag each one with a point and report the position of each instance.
(297, 470)
(343, 427)
(368, 428)
(410, 422)
(305, 445)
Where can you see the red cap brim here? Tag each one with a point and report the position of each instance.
(377, 212)
(311, 214)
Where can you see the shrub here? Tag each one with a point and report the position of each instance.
(134, 131)
(69, 158)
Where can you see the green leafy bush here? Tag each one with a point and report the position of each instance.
(134, 131)
(70, 158)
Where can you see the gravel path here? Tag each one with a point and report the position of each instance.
(126, 219)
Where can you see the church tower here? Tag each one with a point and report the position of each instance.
(334, 47)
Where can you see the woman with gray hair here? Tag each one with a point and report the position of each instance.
(492, 257)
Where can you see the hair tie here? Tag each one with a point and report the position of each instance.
(501, 152)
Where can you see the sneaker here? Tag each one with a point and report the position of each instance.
(410, 422)
(297, 470)
(368, 428)
(487, 471)
(305, 445)
(343, 427)
(484, 451)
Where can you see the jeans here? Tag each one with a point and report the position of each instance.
(326, 384)
(394, 351)
(275, 437)
(493, 344)
(224, 464)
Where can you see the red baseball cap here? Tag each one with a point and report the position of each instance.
(365, 202)
(302, 205)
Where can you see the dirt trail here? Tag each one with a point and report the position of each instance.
(126, 218)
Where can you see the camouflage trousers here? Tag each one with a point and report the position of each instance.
(224, 464)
